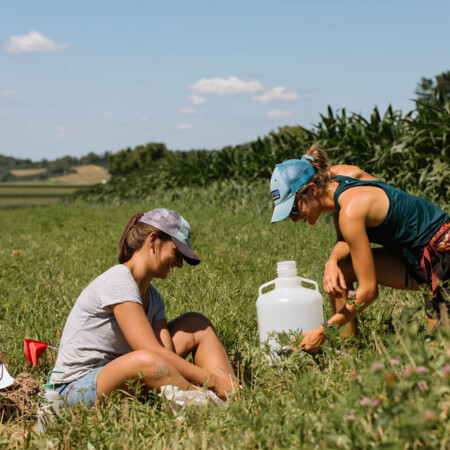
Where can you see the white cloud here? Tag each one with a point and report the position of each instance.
(33, 42)
(145, 119)
(61, 132)
(279, 113)
(279, 93)
(197, 99)
(8, 93)
(225, 86)
(187, 110)
(184, 126)
(108, 114)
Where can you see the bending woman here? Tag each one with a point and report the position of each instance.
(414, 233)
(117, 329)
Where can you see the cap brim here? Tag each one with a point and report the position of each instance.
(282, 210)
(188, 254)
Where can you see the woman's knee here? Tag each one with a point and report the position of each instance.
(189, 330)
(149, 364)
(197, 320)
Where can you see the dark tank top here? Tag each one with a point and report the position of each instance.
(411, 221)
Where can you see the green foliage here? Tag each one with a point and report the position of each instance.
(387, 389)
(410, 151)
(434, 93)
(129, 160)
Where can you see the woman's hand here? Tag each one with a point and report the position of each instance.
(333, 279)
(312, 340)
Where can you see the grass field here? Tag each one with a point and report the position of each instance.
(390, 388)
(51, 191)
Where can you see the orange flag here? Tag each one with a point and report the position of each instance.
(34, 350)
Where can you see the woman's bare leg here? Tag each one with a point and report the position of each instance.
(194, 333)
(154, 370)
(390, 271)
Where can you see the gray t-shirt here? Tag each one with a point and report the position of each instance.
(92, 337)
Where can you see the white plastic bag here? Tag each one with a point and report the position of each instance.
(6, 380)
(179, 399)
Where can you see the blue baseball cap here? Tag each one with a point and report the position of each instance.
(287, 179)
(171, 223)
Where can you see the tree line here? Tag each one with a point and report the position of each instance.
(410, 151)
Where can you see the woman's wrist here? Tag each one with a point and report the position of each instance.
(331, 261)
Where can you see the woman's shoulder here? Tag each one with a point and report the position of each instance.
(115, 274)
(350, 171)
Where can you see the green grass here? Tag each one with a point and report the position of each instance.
(48, 255)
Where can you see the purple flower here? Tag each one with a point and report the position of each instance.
(376, 402)
(447, 371)
(409, 370)
(394, 362)
(422, 369)
(365, 401)
(421, 385)
(351, 417)
(376, 366)
(429, 415)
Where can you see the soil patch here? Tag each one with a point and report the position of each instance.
(20, 399)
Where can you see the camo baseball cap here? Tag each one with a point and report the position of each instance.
(171, 223)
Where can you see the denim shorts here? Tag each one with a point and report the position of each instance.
(82, 390)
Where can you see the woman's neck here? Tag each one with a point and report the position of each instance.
(140, 273)
(327, 197)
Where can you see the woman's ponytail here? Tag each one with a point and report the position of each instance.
(320, 163)
(125, 248)
(134, 236)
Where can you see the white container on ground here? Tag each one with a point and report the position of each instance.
(48, 408)
(290, 306)
(48, 405)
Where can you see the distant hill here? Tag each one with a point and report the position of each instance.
(23, 170)
(83, 175)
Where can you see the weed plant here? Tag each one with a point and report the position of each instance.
(390, 388)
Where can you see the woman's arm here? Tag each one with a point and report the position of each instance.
(139, 334)
(333, 279)
(352, 223)
(162, 333)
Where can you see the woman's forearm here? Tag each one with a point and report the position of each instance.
(191, 372)
(340, 251)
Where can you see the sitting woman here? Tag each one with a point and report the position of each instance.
(117, 329)
(413, 232)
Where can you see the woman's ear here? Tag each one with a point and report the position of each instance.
(152, 238)
(313, 189)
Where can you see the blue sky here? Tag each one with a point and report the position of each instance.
(89, 76)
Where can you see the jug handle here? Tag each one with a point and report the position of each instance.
(265, 285)
(309, 281)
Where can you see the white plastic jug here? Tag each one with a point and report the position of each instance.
(289, 306)
(48, 404)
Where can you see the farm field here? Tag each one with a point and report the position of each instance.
(390, 388)
(47, 192)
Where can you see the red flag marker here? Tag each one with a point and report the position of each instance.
(34, 350)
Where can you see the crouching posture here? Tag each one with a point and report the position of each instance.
(414, 234)
(117, 329)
